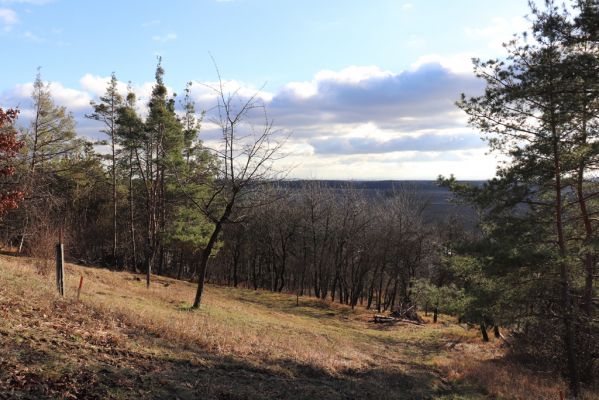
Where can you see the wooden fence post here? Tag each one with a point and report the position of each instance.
(79, 288)
(60, 265)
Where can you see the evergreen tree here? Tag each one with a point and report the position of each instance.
(130, 135)
(51, 150)
(51, 135)
(540, 109)
(163, 148)
(190, 229)
(106, 112)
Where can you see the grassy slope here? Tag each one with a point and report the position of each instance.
(124, 341)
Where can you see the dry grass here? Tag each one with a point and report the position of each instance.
(228, 324)
(327, 349)
(483, 365)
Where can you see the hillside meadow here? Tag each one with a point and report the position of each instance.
(123, 341)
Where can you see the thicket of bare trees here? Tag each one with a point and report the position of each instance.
(346, 245)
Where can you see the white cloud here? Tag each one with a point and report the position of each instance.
(499, 31)
(420, 97)
(460, 63)
(150, 23)
(8, 18)
(367, 122)
(206, 92)
(353, 74)
(32, 37)
(96, 85)
(164, 38)
(72, 99)
(302, 90)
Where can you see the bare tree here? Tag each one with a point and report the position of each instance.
(245, 154)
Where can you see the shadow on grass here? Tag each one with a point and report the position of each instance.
(308, 307)
(38, 368)
(230, 378)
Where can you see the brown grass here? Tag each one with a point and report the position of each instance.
(483, 365)
(241, 344)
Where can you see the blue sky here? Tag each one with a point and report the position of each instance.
(366, 87)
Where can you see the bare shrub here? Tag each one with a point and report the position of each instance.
(41, 248)
(41, 245)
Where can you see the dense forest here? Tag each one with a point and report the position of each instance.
(518, 255)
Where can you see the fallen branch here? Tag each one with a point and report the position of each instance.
(383, 319)
(405, 312)
(505, 340)
(409, 321)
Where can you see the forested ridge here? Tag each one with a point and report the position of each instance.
(514, 257)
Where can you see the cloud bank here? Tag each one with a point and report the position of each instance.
(361, 122)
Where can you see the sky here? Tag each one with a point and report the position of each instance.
(364, 89)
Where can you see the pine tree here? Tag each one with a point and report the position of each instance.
(51, 135)
(163, 148)
(130, 135)
(189, 229)
(106, 112)
(51, 151)
(540, 109)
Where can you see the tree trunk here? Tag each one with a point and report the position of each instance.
(149, 263)
(207, 252)
(180, 267)
(131, 217)
(114, 205)
(496, 331)
(204, 264)
(160, 259)
(483, 331)
(380, 293)
(567, 309)
(236, 256)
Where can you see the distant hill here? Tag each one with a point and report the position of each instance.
(440, 201)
